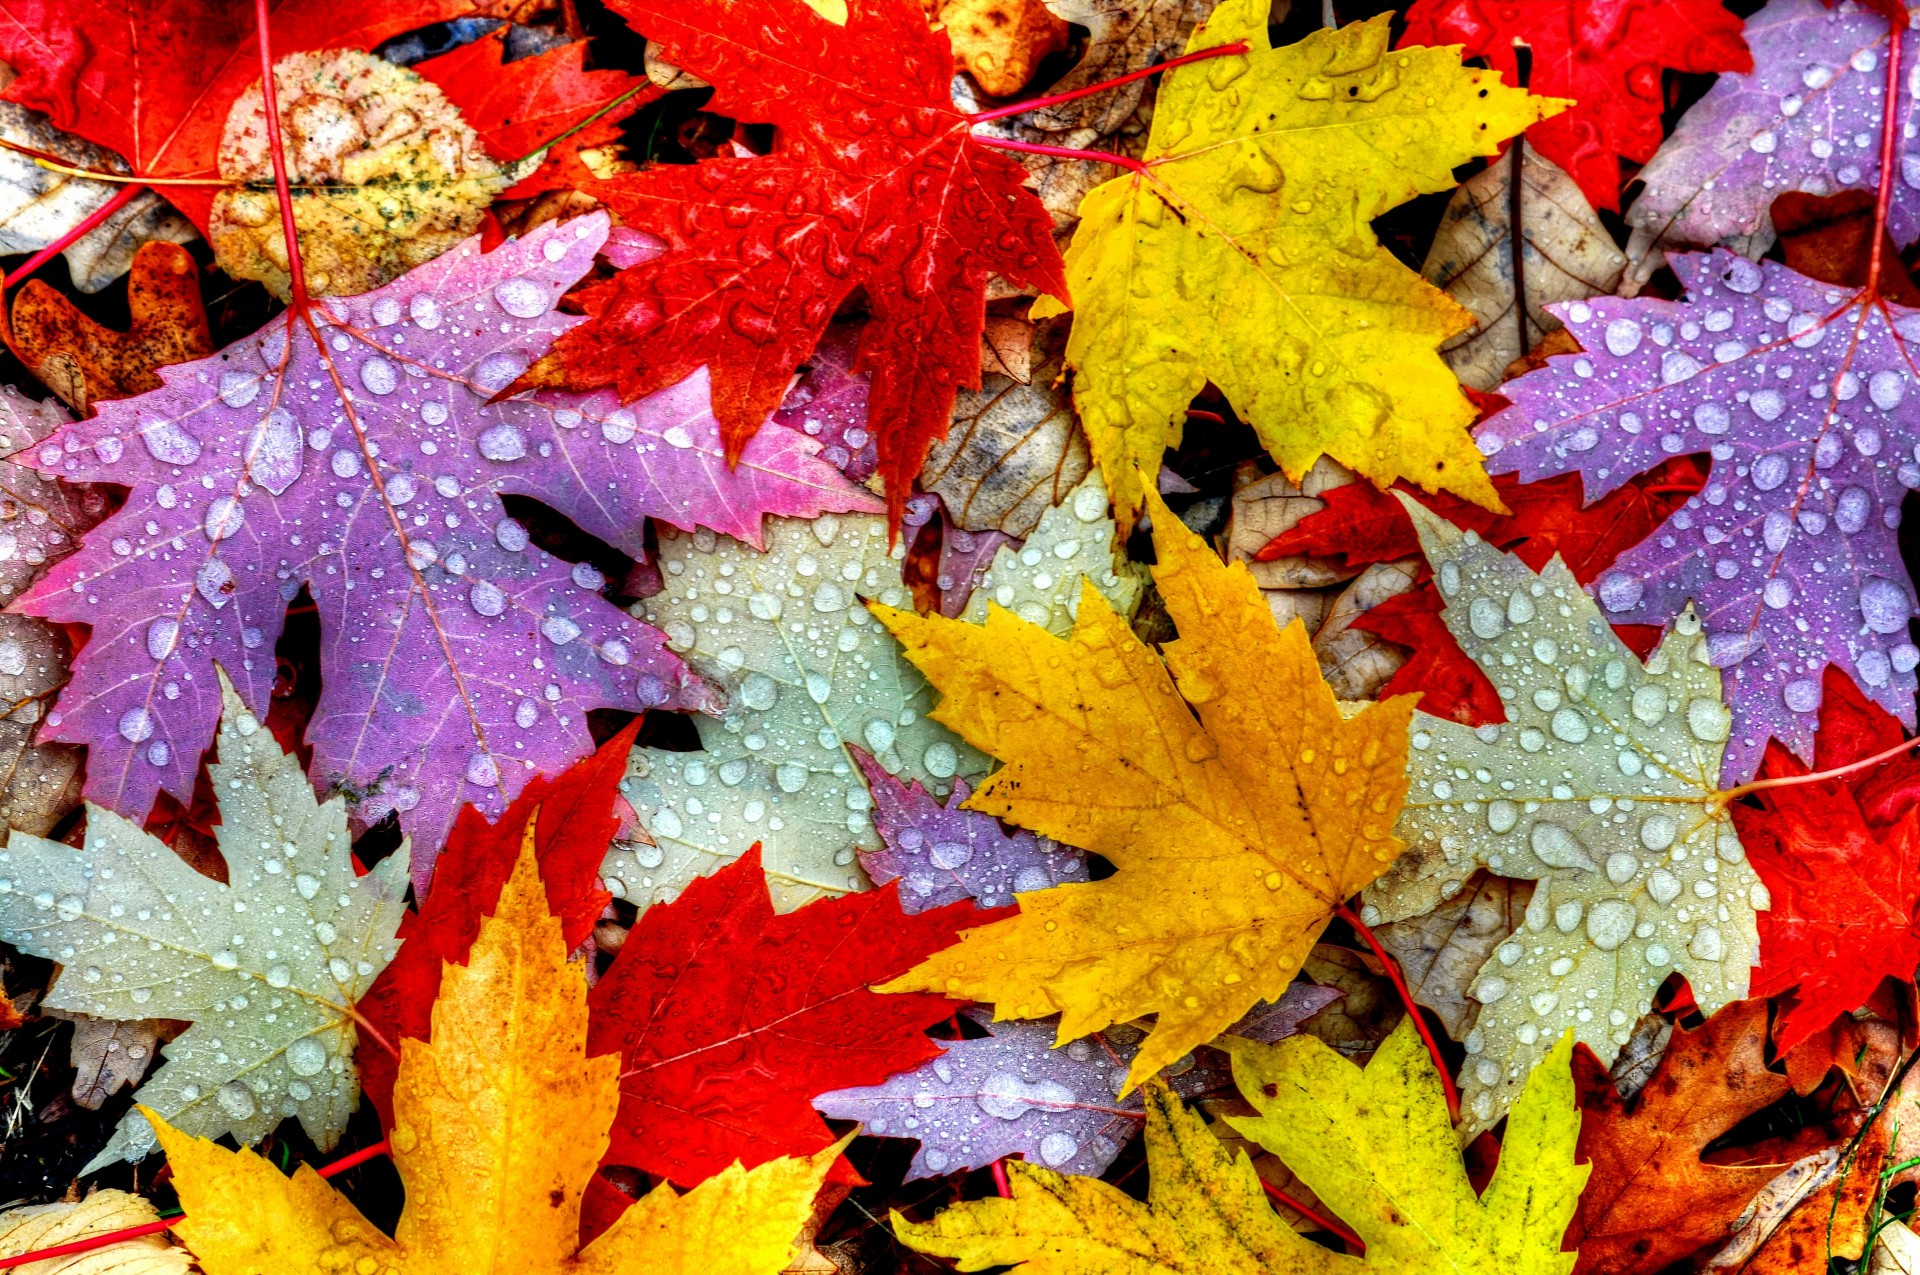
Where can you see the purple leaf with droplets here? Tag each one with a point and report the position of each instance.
(1807, 117)
(964, 559)
(1013, 1093)
(942, 854)
(1804, 398)
(829, 402)
(456, 659)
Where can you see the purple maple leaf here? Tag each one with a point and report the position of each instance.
(1807, 117)
(356, 453)
(1013, 1093)
(829, 402)
(1804, 397)
(942, 854)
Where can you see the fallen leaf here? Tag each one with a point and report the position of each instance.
(1000, 43)
(108, 1054)
(498, 1124)
(1102, 751)
(729, 1020)
(1256, 306)
(1015, 449)
(1601, 786)
(34, 1227)
(1441, 951)
(1566, 254)
(384, 175)
(1609, 60)
(715, 298)
(141, 935)
(85, 362)
(1652, 1198)
(1830, 238)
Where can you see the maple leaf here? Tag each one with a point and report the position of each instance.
(1843, 883)
(1818, 79)
(357, 455)
(943, 854)
(83, 361)
(1362, 525)
(518, 106)
(1055, 1107)
(266, 967)
(39, 207)
(571, 817)
(1795, 387)
(498, 1124)
(154, 80)
(30, 1228)
(1375, 1145)
(1607, 58)
(1601, 786)
(1565, 254)
(876, 182)
(1652, 1199)
(807, 672)
(1237, 826)
(1241, 254)
(729, 1019)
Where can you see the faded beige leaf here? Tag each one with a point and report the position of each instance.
(1896, 1251)
(39, 206)
(1013, 451)
(1640, 1056)
(1441, 951)
(1368, 1009)
(108, 1055)
(26, 1230)
(1122, 36)
(1357, 663)
(1566, 255)
(385, 175)
(1006, 348)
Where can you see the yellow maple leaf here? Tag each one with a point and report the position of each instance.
(499, 1123)
(1375, 1146)
(1243, 254)
(1236, 826)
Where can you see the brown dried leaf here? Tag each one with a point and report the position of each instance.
(85, 362)
(1013, 451)
(1567, 255)
(1122, 36)
(1000, 43)
(1368, 1009)
(1357, 663)
(1441, 951)
(108, 1055)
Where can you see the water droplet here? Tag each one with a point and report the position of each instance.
(759, 691)
(521, 298)
(498, 370)
(306, 1057)
(487, 598)
(280, 976)
(1622, 867)
(1884, 605)
(136, 725)
(236, 1100)
(1622, 337)
(941, 760)
(1556, 847)
(224, 518)
(559, 630)
(162, 636)
(1485, 618)
(504, 442)
(379, 376)
(170, 444)
(1619, 591)
(224, 959)
(425, 311)
(482, 771)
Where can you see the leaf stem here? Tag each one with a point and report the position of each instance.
(1000, 1182)
(1063, 152)
(124, 196)
(1896, 15)
(1324, 1223)
(296, 270)
(1352, 918)
(1731, 795)
(1038, 103)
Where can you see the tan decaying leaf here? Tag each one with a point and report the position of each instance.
(1641, 1055)
(108, 1055)
(1006, 347)
(39, 1226)
(1122, 36)
(1566, 255)
(385, 175)
(668, 76)
(1441, 951)
(1368, 1008)
(1000, 43)
(39, 206)
(1014, 450)
(1896, 1251)
(1326, 598)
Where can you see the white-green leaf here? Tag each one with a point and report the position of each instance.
(267, 967)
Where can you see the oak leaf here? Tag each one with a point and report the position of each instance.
(267, 967)
(1241, 254)
(1237, 821)
(1602, 786)
(762, 250)
(498, 1124)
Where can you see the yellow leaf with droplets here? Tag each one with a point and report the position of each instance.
(1373, 1144)
(1237, 804)
(1244, 255)
(499, 1123)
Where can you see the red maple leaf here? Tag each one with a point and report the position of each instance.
(578, 814)
(1607, 55)
(729, 1020)
(154, 80)
(1362, 525)
(516, 106)
(874, 182)
(1841, 860)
